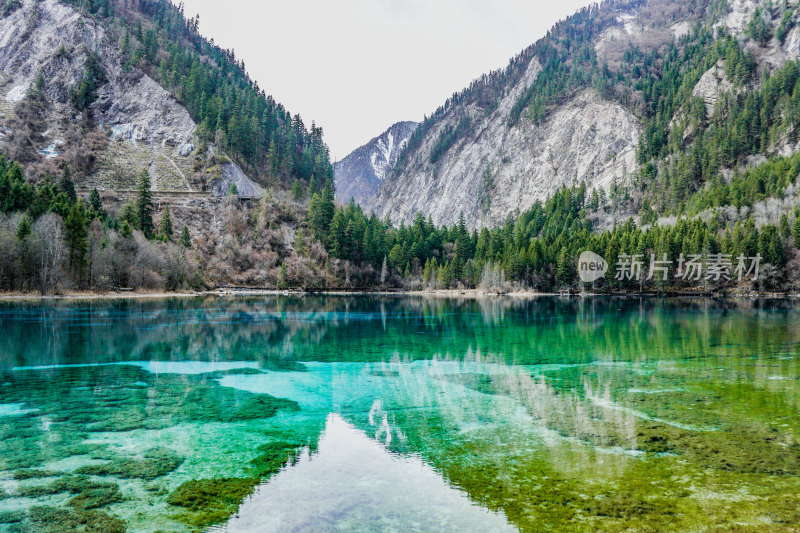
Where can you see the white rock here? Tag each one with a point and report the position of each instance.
(586, 140)
(711, 85)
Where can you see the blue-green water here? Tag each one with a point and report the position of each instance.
(400, 413)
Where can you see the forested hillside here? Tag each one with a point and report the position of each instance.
(677, 93)
(677, 125)
(126, 134)
(562, 111)
(714, 171)
(229, 108)
(103, 67)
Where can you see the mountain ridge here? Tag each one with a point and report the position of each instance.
(151, 93)
(511, 139)
(361, 172)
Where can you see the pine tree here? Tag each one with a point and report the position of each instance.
(144, 205)
(24, 227)
(770, 246)
(186, 241)
(272, 158)
(128, 213)
(796, 232)
(165, 226)
(125, 230)
(784, 226)
(96, 205)
(337, 236)
(67, 186)
(321, 210)
(76, 233)
(564, 268)
(297, 191)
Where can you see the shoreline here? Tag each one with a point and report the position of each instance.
(439, 293)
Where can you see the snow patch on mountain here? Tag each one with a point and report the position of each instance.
(360, 174)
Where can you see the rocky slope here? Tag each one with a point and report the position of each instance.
(137, 124)
(476, 159)
(359, 175)
(498, 170)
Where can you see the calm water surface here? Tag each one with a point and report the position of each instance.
(400, 414)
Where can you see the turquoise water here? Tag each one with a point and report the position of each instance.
(400, 413)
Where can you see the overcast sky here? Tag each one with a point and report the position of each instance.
(358, 66)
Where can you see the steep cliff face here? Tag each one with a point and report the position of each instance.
(359, 175)
(477, 159)
(136, 123)
(500, 166)
(498, 170)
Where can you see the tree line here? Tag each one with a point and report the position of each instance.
(539, 247)
(53, 239)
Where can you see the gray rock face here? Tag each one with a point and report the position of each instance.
(147, 126)
(712, 84)
(360, 174)
(496, 169)
(149, 113)
(232, 175)
(54, 38)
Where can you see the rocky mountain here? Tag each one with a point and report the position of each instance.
(572, 109)
(359, 175)
(137, 123)
(112, 88)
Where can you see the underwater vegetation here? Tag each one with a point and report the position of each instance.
(563, 415)
(45, 519)
(23, 444)
(11, 517)
(88, 494)
(156, 462)
(29, 473)
(71, 404)
(646, 448)
(80, 515)
(274, 456)
(123, 398)
(283, 365)
(210, 501)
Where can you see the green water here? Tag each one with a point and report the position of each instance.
(400, 414)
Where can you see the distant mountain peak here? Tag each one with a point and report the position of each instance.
(360, 174)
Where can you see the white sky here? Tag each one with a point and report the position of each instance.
(357, 66)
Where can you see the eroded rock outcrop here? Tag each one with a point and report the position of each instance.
(497, 169)
(145, 125)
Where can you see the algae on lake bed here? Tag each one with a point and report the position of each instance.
(210, 501)
(553, 414)
(63, 441)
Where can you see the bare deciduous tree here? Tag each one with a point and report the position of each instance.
(47, 235)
